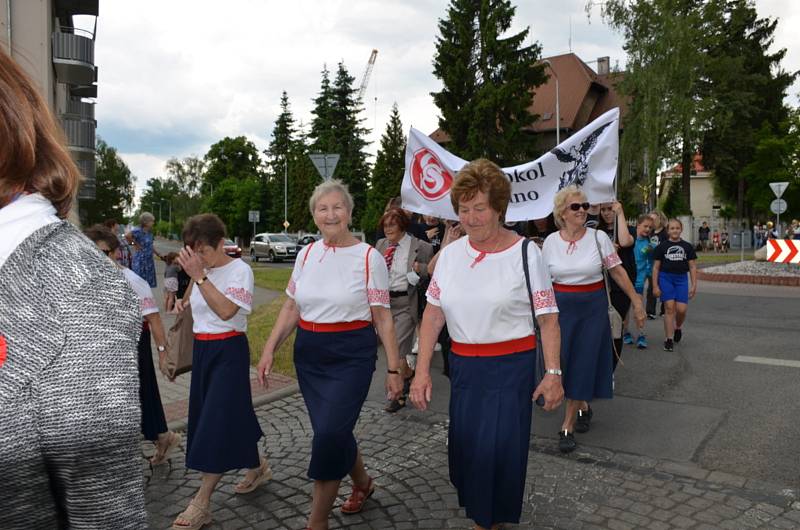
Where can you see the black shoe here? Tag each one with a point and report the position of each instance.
(668, 345)
(678, 334)
(566, 442)
(395, 405)
(582, 422)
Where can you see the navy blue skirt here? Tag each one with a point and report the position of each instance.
(153, 420)
(489, 437)
(586, 356)
(223, 431)
(334, 371)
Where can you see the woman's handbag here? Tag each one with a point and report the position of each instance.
(538, 371)
(181, 343)
(614, 318)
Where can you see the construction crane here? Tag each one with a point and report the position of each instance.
(367, 72)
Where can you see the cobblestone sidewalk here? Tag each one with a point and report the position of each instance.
(406, 454)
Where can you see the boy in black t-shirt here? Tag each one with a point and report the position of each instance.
(673, 259)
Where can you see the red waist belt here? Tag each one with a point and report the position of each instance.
(335, 326)
(583, 288)
(493, 349)
(217, 336)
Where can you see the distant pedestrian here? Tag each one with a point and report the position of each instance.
(338, 299)
(171, 282)
(407, 259)
(643, 254)
(576, 257)
(154, 423)
(69, 323)
(612, 221)
(479, 289)
(223, 431)
(124, 255)
(703, 233)
(674, 260)
(542, 228)
(715, 241)
(141, 238)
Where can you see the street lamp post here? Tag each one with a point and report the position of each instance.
(169, 203)
(285, 194)
(558, 106)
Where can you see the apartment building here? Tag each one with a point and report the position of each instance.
(41, 35)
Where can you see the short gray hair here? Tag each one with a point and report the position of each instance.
(560, 202)
(146, 217)
(331, 186)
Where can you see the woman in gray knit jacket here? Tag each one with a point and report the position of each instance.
(69, 323)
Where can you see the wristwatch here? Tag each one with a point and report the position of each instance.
(161, 349)
(201, 280)
(553, 371)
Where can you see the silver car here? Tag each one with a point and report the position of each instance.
(272, 247)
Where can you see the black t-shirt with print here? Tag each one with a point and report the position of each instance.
(674, 256)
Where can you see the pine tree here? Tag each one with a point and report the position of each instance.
(488, 80)
(336, 128)
(279, 152)
(387, 175)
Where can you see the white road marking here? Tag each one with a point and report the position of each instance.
(767, 360)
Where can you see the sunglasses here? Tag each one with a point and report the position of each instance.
(575, 206)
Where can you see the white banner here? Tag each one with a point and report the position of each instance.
(588, 159)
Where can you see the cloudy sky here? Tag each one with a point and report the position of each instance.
(175, 76)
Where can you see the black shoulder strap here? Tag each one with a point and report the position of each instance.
(525, 243)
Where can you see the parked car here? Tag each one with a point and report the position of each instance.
(232, 249)
(272, 247)
(308, 238)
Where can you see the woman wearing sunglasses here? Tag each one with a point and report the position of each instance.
(576, 269)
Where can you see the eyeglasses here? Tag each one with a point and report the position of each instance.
(575, 206)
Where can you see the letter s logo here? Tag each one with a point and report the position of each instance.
(428, 176)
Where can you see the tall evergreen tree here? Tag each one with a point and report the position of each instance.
(279, 152)
(488, 81)
(336, 128)
(387, 175)
(114, 183)
(748, 88)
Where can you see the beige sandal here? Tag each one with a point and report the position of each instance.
(263, 474)
(195, 515)
(162, 456)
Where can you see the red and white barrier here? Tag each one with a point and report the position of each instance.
(783, 250)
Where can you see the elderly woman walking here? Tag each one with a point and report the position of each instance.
(338, 299)
(223, 431)
(69, 322)
(407, 259)
(479, 288)
(141, 238)
(575, 258)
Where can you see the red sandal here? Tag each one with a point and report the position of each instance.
(355, 503)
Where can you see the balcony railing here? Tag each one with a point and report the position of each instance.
(80, 136)
(73, 56)
(79, 110)
(88, 189)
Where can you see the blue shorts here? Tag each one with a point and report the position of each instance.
(674, 287)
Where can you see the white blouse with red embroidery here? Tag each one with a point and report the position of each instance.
(577, 262)
(483, 295)
(147, 302)
(235, 281)
(332, 284)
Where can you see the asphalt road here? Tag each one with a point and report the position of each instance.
(696, 404)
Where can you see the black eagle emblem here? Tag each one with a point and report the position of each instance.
(579, 157)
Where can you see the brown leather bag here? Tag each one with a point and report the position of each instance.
(181, 343)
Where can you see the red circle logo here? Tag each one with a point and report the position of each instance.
(429, 176)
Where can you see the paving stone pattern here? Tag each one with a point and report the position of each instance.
(406, 454)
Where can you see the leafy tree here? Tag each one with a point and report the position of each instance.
(336, 128)
(487, 81)
(114, 183)
(387, 175)
(160, 195)
(748, 88)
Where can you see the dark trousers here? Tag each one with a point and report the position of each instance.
(622, 304)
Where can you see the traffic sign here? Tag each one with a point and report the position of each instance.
(325, 163)
(254, 216)
(778, 188)
(778, 206)
(286, 224)
(783, 250)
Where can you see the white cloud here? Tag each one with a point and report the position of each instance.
(176, 76)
